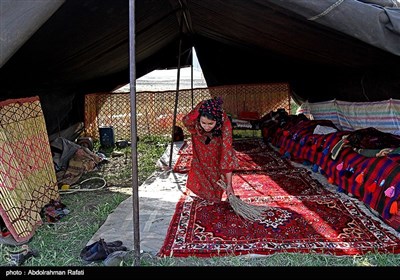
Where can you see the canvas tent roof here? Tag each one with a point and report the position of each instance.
(63, 49)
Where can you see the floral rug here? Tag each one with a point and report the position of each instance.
(298, 220)
(302, 217)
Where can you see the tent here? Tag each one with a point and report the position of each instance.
(61, 50)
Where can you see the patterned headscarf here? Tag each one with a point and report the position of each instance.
(212, 109)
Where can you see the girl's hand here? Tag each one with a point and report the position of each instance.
(228, 189)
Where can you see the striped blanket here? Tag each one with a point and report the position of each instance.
(383, 115)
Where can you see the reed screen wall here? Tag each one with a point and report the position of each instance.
(155, 109)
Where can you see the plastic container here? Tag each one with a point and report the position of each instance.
(107, 138)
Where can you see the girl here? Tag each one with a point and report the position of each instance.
(213, 155)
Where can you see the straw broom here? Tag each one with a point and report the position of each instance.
(243, 209)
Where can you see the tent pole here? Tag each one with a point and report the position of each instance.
(177, 92)
(135, 191)
(191, 80)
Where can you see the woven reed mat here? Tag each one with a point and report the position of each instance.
(27, 176)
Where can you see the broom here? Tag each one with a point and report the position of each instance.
(243, 209)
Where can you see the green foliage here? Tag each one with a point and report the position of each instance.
(149, 150)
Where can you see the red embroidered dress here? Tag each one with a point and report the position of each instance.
(209, 160)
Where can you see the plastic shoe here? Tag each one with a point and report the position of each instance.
(115, 258)
(18, 258)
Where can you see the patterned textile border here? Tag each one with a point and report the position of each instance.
(27, 176)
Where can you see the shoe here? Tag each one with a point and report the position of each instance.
(18, 258)
(95, 253)
(99, 250)
(111, 250)
(116, 243)
(116, 246)
(115, 258)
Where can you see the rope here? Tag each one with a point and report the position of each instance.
(77, 187)
(327, 11)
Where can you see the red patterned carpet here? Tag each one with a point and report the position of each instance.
(303, 217)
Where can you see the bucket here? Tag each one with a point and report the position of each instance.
(107, 136)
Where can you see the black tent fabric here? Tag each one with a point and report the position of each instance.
(325, 49)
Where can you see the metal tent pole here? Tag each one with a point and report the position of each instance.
(135, 191)
(176, 92)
